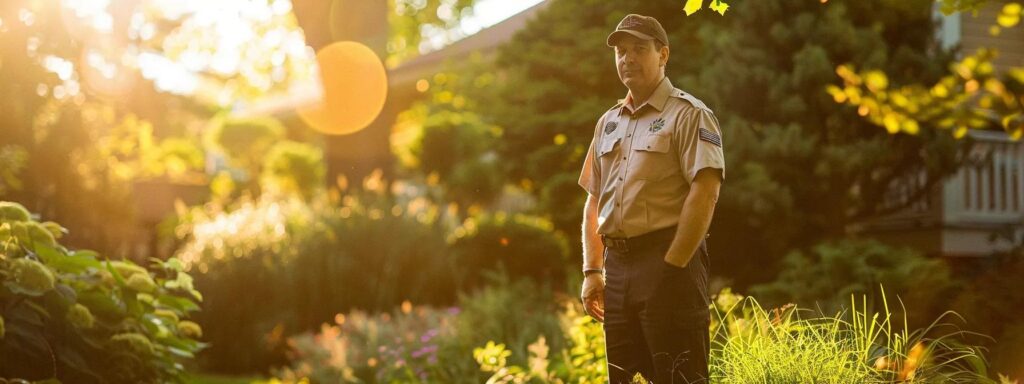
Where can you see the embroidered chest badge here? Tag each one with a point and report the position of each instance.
(610, 127)
(657, 125)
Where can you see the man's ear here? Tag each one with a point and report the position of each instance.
(664, 55)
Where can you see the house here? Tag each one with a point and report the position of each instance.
(980, 209)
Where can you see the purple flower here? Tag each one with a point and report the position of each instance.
(454, 310)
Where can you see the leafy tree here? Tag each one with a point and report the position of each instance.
(858, 267)
(803, 169)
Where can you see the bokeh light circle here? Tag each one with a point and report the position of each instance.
(355, 87)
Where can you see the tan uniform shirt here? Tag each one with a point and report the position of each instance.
(642, 161)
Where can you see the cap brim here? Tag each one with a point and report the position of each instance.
(615, 36)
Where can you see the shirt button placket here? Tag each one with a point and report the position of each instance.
(627, 146)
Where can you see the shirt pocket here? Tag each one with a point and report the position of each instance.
(653, 157)
(608, 146)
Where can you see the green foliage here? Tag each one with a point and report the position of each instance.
(786, 52)
(67, 315)
(301, 262)
(245, 141)
(990, 303)
(444, 138)
(425, 344)
(523, 246)
(293, 168)
(971, 96)
(582, 361)
(828, 273)
(515, 311)
(751, 344)
(12, 160)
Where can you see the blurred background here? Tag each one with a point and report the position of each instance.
(370, 191)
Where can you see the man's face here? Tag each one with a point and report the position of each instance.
(639, 62)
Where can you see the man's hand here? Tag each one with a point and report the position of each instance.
(592, 295)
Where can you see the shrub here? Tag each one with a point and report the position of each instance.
(300, 263)
(425, 344)
(992, 304)
(830, 272)
(523, 246)
(68, 316)
(244, 140)
(293, 168)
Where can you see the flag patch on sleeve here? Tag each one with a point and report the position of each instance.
(710, 137)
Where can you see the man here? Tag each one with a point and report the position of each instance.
(652, 175)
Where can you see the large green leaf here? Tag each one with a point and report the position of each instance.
(75, 262)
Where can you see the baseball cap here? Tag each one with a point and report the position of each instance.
(644, 27)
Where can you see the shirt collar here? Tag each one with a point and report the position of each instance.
(658, 98)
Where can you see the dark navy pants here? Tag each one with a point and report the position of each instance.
(656, 315)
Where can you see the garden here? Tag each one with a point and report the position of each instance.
(176, 207)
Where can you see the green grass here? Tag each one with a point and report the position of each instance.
(754, 345)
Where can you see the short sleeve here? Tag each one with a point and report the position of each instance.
(702, 145)
(590, 175)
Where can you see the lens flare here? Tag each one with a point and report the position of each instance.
(354, 85)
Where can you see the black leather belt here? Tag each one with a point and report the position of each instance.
(624, 244)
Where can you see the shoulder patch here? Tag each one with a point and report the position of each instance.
(610, 127)
(710, 137)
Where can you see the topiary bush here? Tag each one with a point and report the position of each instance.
(69, 316)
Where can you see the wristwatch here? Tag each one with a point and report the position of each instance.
(587, 272)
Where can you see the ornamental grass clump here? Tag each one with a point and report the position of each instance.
(790, 345)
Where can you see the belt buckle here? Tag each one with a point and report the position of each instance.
(617, 244)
